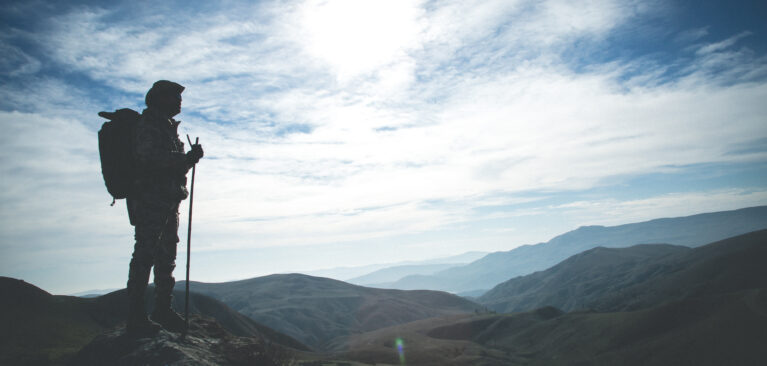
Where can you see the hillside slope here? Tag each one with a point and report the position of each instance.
(691, 231)
(315, 310)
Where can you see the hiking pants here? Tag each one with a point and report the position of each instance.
(156, 236)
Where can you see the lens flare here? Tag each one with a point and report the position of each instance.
(400, 348)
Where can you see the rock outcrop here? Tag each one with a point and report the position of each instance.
(206, 343)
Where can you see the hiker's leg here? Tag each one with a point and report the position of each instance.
(164, 264)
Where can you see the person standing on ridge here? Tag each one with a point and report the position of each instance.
(160, 185)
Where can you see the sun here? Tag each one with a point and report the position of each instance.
(356, 37)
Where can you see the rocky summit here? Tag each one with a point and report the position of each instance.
(206, 343)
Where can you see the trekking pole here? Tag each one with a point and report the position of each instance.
(189, 242)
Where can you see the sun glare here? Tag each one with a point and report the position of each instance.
(357, 37)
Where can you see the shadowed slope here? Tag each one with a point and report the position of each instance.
(577, 282)
(38, 328)
(720, 329)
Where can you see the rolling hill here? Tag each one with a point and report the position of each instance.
(581, 280)
(690, 231)
(316, 310)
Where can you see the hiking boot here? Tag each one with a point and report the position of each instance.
(163, 298)
(169, 319)
(141, 326)
(138, 324)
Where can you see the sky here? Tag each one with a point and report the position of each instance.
(355, 132)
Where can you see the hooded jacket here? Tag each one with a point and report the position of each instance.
(160, 159)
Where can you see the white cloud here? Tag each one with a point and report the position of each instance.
(51, 177)
(691, 35)
(613, 212)
(17, 62)
(721, 45)
(411, 115)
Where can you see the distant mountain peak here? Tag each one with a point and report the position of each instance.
(590, 227)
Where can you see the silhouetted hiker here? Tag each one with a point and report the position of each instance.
(160, 185)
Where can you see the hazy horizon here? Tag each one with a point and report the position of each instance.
(347, 133)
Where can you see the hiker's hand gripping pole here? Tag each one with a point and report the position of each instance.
(189, 241)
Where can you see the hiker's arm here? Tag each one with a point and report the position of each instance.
(151, 156)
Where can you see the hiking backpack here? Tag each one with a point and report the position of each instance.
(116, 151)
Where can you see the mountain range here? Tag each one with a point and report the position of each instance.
(386, 276)
(360, 275)
(491, 270)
